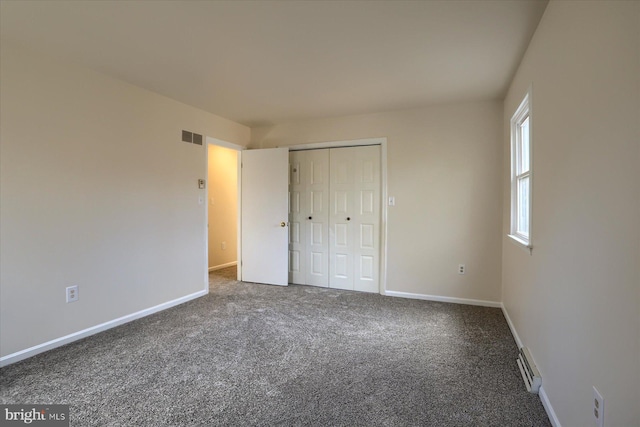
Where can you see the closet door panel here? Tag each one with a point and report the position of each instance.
(316, 178)
(335, 218)
(367, 219)
(341, 237)
(297, 224)
(309, 217)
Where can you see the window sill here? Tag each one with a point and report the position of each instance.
(523, 244)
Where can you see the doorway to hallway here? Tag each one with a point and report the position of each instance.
(222, 212)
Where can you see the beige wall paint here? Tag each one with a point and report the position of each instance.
(445, 171)
(575, 302)
(223, 205)
(97, 191)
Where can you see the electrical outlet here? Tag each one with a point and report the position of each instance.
(462, 269)
(223, 246)
(392, 201)
(598, 408)
(72, 293)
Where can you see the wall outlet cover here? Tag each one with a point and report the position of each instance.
(72, 293)
(598, 408)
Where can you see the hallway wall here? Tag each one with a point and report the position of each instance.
(223, 206)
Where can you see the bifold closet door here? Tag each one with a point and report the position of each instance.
(309, 217)
(354, 222)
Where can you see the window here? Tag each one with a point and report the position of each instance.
(521, 173)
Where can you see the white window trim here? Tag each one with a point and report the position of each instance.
(524, 109)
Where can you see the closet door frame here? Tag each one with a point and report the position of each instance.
(382, 142)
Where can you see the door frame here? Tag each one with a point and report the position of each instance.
(382, 142)
(239, 148)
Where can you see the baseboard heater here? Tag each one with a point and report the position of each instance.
(530, 374)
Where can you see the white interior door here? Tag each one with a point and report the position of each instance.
(309, 217)
(297, 229)
(264, 215)
(366, 224)
(341, 235)
(355, 218)
(317, 178)
(316, 216)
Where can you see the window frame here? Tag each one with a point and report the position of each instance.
(522, 113)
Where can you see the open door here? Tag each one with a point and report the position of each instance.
(264, 216)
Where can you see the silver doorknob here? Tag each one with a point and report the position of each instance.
(283, 224)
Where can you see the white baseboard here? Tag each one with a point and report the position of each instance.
(513, 328)
(547, 407)
(221, 266)
(542, 394)
(444, 299)
(58, 342)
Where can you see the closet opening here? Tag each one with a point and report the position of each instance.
(336, 217)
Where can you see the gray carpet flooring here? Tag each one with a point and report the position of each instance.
(258, 355)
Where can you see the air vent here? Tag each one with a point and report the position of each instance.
(529, 371)
(191, 137)
(187, 136)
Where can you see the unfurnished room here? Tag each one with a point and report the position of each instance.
(320, 213)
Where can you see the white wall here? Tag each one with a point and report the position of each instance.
(445, 171)
(575, 302)
(97, 191)
(223, 205)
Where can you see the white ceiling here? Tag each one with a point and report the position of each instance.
(265, 62)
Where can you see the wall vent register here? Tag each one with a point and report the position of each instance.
(529, 371)
(191, 137)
